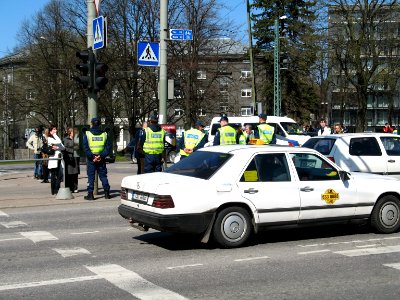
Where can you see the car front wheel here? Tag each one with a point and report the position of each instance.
(232, 227)
(385, 216)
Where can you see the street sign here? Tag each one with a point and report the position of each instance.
(148, 54)
(99, 38)
(180, 34)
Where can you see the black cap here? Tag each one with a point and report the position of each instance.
(262, 116)
(154, 118)
(96, 122)
(199, 123)
(223, 118)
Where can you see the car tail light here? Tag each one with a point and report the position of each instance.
(331, 158)
(163, 201)
(123, 194)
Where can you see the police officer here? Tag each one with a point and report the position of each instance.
(192, 140)
(97, 146)
(152, 144)
(265, 132)
(226, 135)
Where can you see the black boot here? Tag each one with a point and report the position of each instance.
(107, 194)
(89, 196)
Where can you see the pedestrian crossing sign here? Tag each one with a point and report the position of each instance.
(148, 54)
(98, 33)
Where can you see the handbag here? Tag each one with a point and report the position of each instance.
(46, 149)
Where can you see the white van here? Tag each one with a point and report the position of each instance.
(286, 129)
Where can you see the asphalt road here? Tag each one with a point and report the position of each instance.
(87, 251)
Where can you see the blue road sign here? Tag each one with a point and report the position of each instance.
(180, 34)
(148, 54)
(98, 33)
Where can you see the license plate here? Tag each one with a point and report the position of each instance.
(134, 196)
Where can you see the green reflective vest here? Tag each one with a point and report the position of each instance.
(227, 135)
(96, 143)
(266, 133)
(154, 143)
(192, 138)
(242, 139)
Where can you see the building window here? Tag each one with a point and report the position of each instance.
(202, 112)
(245, 74)
(178, 112)
(246, 111)
(246, 93)
(224, 108)
(30, 95)
(201, 74)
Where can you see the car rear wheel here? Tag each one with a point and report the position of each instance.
(385, 216)
(232, 227)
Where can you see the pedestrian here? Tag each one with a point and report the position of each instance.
(338, 129)
(97, 146)
(45, 157)
(192, 140)
(55, 165)
(152, 145)
(387, 128)
(265, 132)
(226, 134)
(248, 132)
(324, 129)
(35, 143)
(139, 154)
(241, 136)
(71, 161)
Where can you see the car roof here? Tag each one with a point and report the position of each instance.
(352, 135)
(255, 148)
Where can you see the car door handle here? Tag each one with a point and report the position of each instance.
(306, 189)
(251, 191)
(391, 160)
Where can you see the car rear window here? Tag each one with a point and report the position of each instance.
(200, 164)
(322, 145)
(364, 146)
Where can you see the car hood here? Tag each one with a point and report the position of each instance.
(371, 176)
(151, 181)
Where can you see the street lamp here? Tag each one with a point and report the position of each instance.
(277, 79)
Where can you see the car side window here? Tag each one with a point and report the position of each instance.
(391, 145)
(364, 146)
(267, 168)
(278, 129)
(311, 167)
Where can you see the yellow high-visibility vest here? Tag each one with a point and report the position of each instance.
(192, 139)
(227, 135)
(96, 143)
(266, 133)
(154, 143)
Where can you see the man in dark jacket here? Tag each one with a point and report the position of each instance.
(152, 143)
(97, 146)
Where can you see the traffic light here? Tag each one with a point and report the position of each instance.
(100, 80)
(86, 68)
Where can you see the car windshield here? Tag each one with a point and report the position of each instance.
(292, 128)
(323, 146)
(200, 164)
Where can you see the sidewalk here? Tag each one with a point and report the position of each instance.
(21, 190)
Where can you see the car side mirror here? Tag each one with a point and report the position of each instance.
(344, 175)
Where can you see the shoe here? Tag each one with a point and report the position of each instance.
(89, 196)
(44, 181)
(107, 194)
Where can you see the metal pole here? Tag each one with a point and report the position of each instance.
(277, 83)
(253, 80)
(163, 80)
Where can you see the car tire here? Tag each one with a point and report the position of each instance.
(232, 227)
(385, 217)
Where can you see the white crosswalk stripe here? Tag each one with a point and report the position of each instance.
(370, 251)
(3, 214)
(395, 266)
(13, 224)
(71, 251)
(38, 236)
(132, 283)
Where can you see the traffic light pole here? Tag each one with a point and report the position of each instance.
(92, 95)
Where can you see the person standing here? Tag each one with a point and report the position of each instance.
(97, 146)
(35, 143)
(139, 154)
(152, 145)
(192, 140)
(338, 129)
(387, 128)
(226, 134)
(248, 132)
(71, 161)
(324, 130)
(55, 165)
(265, 132)
(45, 156)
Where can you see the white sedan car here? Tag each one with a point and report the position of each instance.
(229, 192)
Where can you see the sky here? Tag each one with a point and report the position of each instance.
(14, 12)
